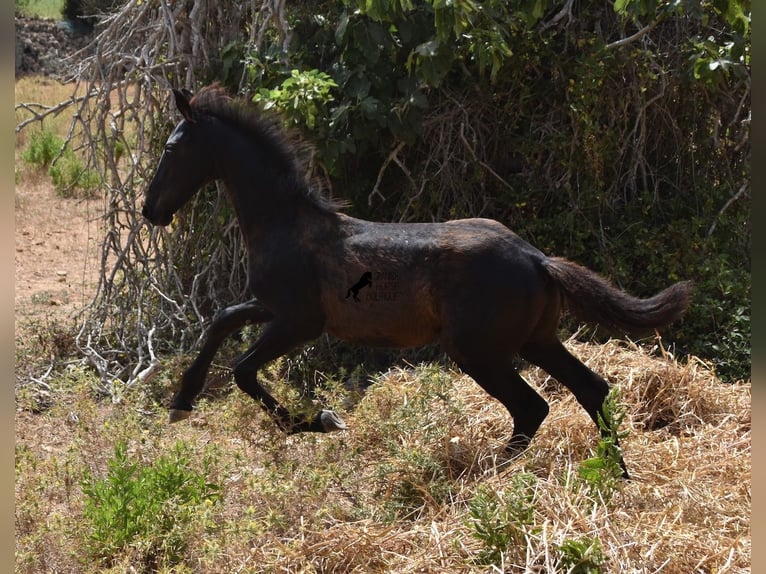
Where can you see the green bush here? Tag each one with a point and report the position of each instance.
(69, 174)
(43, 147)
(147, 508)
(625, 158)
(47, 151)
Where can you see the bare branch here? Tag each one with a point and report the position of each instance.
(634, 37)
(744, 188)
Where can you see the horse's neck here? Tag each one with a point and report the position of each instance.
(265, 200)
(287, 212)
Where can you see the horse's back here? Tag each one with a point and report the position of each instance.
(425, 276)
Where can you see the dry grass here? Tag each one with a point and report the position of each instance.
(393, 493)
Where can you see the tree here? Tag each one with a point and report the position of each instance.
(617, 136)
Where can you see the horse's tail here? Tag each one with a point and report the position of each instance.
(593, 299)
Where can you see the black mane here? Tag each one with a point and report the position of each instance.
(285, 149)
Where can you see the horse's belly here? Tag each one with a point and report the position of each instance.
(401, 338)
(378, 321)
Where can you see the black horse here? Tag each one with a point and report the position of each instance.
(304, 254)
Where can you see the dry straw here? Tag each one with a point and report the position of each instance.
(686, 509)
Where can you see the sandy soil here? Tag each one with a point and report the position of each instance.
(56, 258)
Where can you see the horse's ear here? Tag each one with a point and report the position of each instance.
(182, 103)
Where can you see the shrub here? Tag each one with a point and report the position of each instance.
(148, 508)
(43, 147)
(69, 174)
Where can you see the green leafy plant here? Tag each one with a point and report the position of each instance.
(501, 520)
(69, 174)
(43, 148)
(603, 472)
(146, 507)
(48, 151)
(301, 97)
(581, 556)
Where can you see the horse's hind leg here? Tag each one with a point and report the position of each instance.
(225, 323)
(500, 379)
(589, 389)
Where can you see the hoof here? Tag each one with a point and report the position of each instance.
(517, 445)
(178, 415)
(331, 422)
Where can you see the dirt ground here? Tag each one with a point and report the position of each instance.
(57, 239)
(56, 258)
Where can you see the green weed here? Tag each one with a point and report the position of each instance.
(501, 520)
(69, 174)
(47, 151)
(581, 556)
(146, 508)
(43, 148)
(603, 472)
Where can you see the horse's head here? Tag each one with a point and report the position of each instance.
(184, 167)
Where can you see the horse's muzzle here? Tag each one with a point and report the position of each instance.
(154, 218)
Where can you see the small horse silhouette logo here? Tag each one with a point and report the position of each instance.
(364, 281)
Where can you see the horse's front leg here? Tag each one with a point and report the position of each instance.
(227, 322)
(278, 338)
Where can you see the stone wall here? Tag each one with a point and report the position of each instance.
(48, 47)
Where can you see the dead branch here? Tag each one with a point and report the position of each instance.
(156, 289)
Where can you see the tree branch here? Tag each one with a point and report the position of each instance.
(637, 36)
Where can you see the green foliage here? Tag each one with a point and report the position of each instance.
(602, 473)
(302, 98)
(619, 155)
(581, 556)
(501, 520)
(48, 151)
(70, 175)
(146, 508)
(40, 8)
(43, 147)
(22, 6)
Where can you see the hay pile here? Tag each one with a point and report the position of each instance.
(424, 444)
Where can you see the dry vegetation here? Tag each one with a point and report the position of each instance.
(394, 493)
(405, 489)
